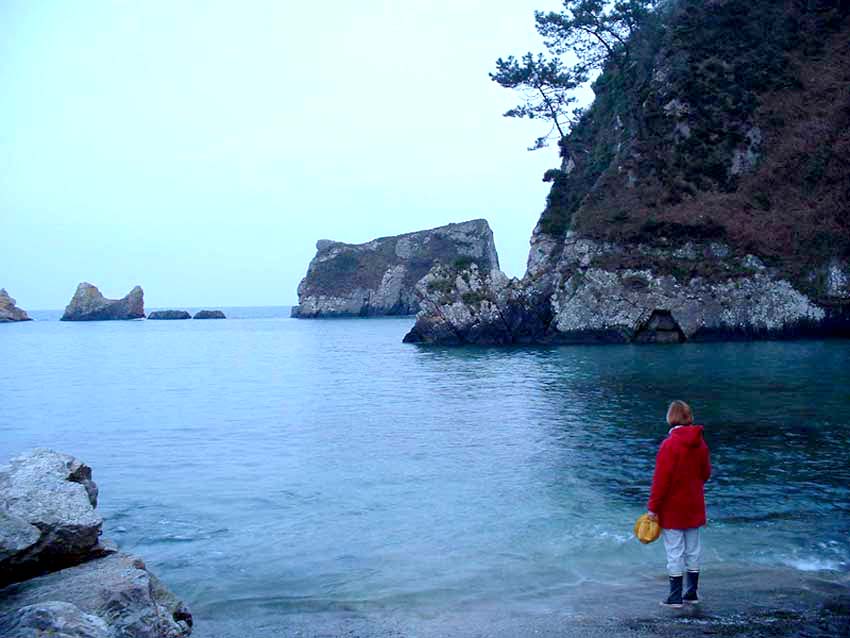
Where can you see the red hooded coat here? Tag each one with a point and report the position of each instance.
(681, 469)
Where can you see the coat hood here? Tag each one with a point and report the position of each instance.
(687, 435)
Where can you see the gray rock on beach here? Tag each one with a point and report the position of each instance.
(54, 619)
(169, 315)
(112, 596)
(56, 577)
(209, 314)
(9, 312)
(88, 304)
(47, 517)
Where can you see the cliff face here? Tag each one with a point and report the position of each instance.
(704, 195)
(378, 277)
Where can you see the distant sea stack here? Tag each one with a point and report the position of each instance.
(88, 304)
(703, 195)
(379, 277)
(209, 314)
(9, 312)
(169, 315)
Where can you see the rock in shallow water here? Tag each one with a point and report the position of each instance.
(9, 312)
(48, 528)
(209, 314)
(47, 517)
(169, 315)
(88, 304)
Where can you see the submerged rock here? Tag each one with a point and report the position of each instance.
(379, 277)
(9, 312)
(169, 315)
(47, 517)
(209, 314)
(88, 304)
(65, 582)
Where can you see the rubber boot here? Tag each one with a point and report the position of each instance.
(691, 591)
(675, 598)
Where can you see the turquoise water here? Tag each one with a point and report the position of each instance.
(266, 466)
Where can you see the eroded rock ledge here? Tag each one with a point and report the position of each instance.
(379, 277)
(586, 291)
(58, 577)
(88, 304)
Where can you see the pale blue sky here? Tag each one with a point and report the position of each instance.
(200, 149)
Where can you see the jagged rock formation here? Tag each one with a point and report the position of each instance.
(169, 315)
(701, 197)
(64, 580)
(209, 314)
(88, 304)
(378, 277)
(9, 312)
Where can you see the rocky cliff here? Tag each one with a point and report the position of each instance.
(9, 312)
(704, 195)
(88, 304)
(379, 277)
(57, 577)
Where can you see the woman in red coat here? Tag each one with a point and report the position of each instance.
(677, 500)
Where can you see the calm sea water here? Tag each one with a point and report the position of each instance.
(266, 466)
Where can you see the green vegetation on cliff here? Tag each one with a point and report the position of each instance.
(730, 121)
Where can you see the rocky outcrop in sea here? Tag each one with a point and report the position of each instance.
(690, 204)
(209, 314)
(9, 312)
(88, 304)
(57, 576)
(585, 293)
(169, 315)
(379, 277)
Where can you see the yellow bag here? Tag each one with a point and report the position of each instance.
(646, 529)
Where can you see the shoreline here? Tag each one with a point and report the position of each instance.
(738, 601)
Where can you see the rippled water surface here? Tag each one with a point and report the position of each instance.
(264, 465)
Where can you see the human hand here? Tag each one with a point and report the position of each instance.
(652, 516)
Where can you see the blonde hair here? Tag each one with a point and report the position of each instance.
(679, 413)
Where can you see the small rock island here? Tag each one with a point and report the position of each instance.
(57, 576)
(380, 276)
(169, 315)
(9, 312)
(88, 304)
(209, 314)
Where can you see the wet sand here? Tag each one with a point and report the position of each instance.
(737, 602)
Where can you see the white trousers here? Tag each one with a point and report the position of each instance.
(683, 550)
